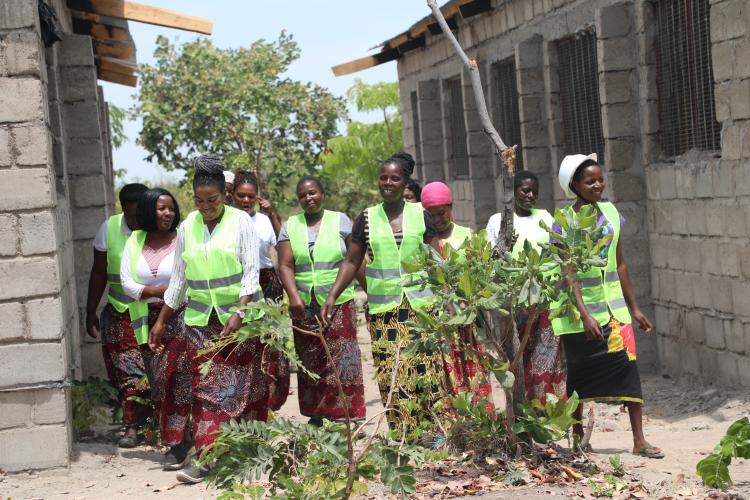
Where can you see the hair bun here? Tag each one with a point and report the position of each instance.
(209, 164)
(405, 161)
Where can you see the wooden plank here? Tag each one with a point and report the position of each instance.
(124, 9)
(116, 50)
(116, 65)
(101, 31)
(365, 62)
(109, 76)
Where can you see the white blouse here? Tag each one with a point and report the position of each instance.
(247, 255)
(144, 276)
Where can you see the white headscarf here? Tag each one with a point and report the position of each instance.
(228, 176)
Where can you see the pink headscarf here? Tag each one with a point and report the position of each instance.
(436, 194)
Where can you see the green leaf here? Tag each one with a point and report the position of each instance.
(714, 471)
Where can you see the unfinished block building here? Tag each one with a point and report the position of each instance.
(660, 89)
(56, 188)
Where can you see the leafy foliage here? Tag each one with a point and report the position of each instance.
(476, 427)
(350, 167)
(546, 422)
(198, 98)
(618, 468)
(94, 401)
(302, 461)
(714, 469)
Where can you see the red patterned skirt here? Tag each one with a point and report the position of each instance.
(235, 386)
(320, 398)
(466, 373)
(275, 364)
(542, 360)
(125, 364)
(171, 388)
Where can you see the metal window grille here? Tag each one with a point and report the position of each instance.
(507, 116)
(579, 94)
(685, 77)
(459, 157)
(417, 135)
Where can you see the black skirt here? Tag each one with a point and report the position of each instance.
(603, 370)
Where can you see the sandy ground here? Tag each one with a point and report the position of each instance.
(686, 421)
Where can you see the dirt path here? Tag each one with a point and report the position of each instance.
(686, 421)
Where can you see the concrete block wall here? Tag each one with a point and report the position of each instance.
(698, 219)
(34, 344)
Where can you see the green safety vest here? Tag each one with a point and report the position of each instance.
(213, 280)
(115, 246)
(316, 275)
(457, 238)
(600, 286)
(385, 274)
(138, 308)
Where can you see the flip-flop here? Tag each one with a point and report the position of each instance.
(649, 451)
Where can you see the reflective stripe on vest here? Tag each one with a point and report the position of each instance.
(115, 246)
(138, 308)
(316, 275)
(214, 279)
(385, 274)
(600, 287)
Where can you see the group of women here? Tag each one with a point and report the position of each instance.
(174, 287)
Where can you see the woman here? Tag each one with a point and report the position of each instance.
(542, 359)
(413, 192)
(388, 234)
(144, 272)
(123, 358)
(600, 347)
(216, 266)
(311, 248)
(267, 225)
(463, 367)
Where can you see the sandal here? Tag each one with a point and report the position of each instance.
(648, 451)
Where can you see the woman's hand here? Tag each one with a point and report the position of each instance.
(592, 329)
(156, 336)
(92, 325)
(265, 206)
(296, 308)
(326, 311)
(642, 321)
(234, 323)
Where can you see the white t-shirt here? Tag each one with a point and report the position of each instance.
(100, 240)
(524, 227)
(267, 237)
(144, 275)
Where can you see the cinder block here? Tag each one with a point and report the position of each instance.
(724, 179)
(617, 54)
(661, 320)
(721, 290)
(86, 157)
(728, 20)
(615, 87)
(723, 59)
(744, 256)
(32, 145)
(16, 14)
(734, 333)
(16, 409)
(37, 232)
(14, 188)
(23, 55)
(21, 100)
(50, 406)
(709, 361)
(34, 448)
(46, 359)
(88, 191)
(729, 258)
(695, 327)
(75, 50)
(86, 222)
(620, 154)
(728, 374)
(28, 277)
(697, 218)
(529, 53)
(714, 332)
(741, 295)
(722, 101)
(8, 235)
(6, 155)
(82, 120)
(701, 292)
(626, 187)
(684, 289)
(11, 320)
(614, 21)
(715, 218)
(743, 370)
(45, 319)
(739, 98)
(691, 255)
(620, 120)
(689, 359)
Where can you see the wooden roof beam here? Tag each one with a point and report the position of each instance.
(124, 9)
(110, 76)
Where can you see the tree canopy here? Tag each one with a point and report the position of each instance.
(198, 98)
(350, 167)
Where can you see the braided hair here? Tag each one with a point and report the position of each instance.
(209, 171)
(403, 160)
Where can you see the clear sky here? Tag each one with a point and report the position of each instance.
(329, 32)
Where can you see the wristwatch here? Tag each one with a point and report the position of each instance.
(240, 313)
